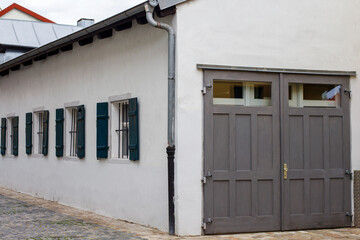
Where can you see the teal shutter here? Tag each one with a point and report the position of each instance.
(3, 136)
(133, 129)
(45, 133)
(59, 131)
(28, 133)
(80, 138)
(15, 137)
(102, 126)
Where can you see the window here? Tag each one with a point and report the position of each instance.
(75, 131)
(120, 130)
(314, 95)
(124, 130)
(10, 141)
(13, 123)
(71, 132)
(242, 93)
(41, 129)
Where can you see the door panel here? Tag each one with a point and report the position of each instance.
(315, 143)
(242, 155)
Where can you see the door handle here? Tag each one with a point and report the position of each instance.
(285, 171)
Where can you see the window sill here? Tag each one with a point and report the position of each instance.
(8, 156)
(37, 155)
(116, 161)
(70, 158)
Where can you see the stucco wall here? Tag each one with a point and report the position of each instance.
(19, 15)
(132, 61)
(308, 34)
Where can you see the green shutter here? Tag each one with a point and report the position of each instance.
(80, 138)
(45, 133)
(133, 129)
(102, 126)
(15, 137)
(28, 133)
(59, 130)
(3, 136)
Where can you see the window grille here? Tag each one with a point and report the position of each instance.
(122, 130)
(40, 131)
(73, 133)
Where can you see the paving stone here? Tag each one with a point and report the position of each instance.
(19, 220)
(26, 217)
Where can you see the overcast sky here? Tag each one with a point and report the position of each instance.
(69, 11)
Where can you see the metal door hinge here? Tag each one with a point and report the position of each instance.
(208, 175)
(206, 221)
(349, 174)
(205, 89)
(347, 92)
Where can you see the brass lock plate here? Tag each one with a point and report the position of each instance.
(285, 171)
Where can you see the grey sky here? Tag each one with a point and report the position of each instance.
(68, 12)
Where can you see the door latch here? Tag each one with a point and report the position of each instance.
(349, 174)
(205, 89)
(208, 175)
(285, 171)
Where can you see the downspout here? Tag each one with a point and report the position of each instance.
(170, 150)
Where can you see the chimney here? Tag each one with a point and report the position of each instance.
(85, 22)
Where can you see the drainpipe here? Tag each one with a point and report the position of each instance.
(170, 150)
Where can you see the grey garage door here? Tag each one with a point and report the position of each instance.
(316, 148)
(276, 152)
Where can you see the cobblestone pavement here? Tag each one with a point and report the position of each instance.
(26, 217)
(20, 220)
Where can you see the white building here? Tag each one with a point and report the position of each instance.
(263, 115)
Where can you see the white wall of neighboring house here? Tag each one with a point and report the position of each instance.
(132, 61)
(19, 15)
(308, 34)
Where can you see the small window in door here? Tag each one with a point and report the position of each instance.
(314, 95)
(242, 93)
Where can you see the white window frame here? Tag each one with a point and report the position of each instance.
(9, 134)
(119, 130)
(70, 129)
(38, 127)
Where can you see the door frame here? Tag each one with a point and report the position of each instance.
(302, 77)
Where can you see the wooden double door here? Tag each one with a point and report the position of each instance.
(277, 152)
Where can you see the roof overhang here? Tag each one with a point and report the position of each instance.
(85, 36)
